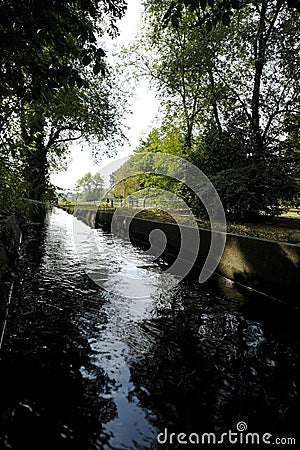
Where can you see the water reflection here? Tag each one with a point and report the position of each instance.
(45, 403)
(85, 369)
(212, 366)
(116, 266)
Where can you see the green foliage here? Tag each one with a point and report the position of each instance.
(122, 183)
(248, 187)
(138, 174)
(251, 190)
(215, 11)
(90, 187)
(228, 77)
(167, 139)
(11, 187)
(44, 43)
(52, 86)
(234, 94)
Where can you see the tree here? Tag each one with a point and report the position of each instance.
(90, 187)
(234, 89)
(214, 11)
(228, 74)
(52, 87)
(11, 187)
(44, 44)
(171, 67)
(137, 174)
(90, 114)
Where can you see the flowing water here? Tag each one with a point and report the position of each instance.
(82, 368)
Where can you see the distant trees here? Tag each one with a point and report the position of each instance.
(90, 187)
(54, 81)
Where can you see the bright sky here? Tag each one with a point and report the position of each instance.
(144, 109)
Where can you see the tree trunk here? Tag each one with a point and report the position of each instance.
(214, 101)
(35, 158)
(188, 141)
(259, 55)
(37, 173)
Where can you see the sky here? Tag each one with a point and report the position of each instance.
(144, 109)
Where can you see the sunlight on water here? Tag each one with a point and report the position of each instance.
(117, 266)
(86, 369)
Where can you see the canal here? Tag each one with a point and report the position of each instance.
(82, 368)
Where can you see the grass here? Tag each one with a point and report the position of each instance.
(86, 205)
(285, 228)
(277, 229)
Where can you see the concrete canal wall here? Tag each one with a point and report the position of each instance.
(270, 267)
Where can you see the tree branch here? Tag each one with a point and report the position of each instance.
(75, 138)
(236, 95)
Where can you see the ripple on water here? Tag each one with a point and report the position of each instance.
(98, 370)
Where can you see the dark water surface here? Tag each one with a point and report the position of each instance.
(85, 369)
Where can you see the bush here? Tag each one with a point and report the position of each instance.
(256, 189)
(11, 188)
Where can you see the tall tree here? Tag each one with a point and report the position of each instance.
(171, 66)
(229, 72)
(234, 87)
(214, 11)
(50, 54)
(92, 114)
(44, 44)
